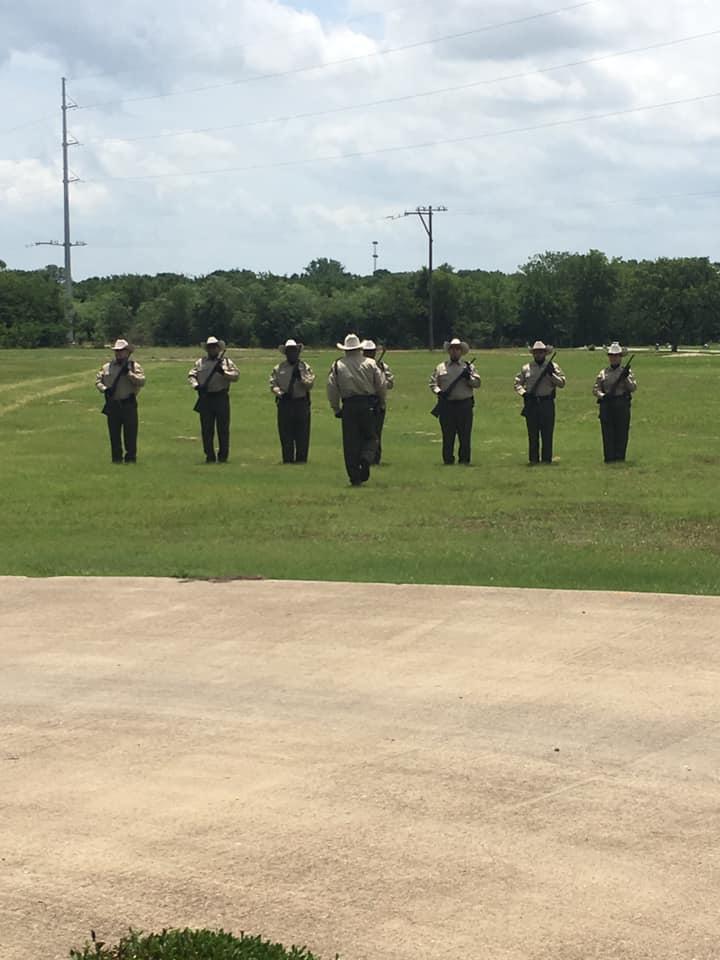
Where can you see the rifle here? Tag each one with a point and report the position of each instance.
(445, 394)
(380, 358)
(295, 375)
(202, 390)
(109, 391)
(531, 393)
(623, 375)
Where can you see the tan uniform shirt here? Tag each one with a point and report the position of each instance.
(198, 375)
(607, 379)
(355, 376)
(130, 383)
(528, 377)
(445, 375)
(280, 380)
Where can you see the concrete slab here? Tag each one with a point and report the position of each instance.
(382, 771)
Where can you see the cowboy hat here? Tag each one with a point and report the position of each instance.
(352, 342)
(539, 345)
(369, 345)
(455, 342)
(290, 343)
(214, 342)
(123, 345)
(615, 350)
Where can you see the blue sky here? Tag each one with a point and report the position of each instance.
(260, 134)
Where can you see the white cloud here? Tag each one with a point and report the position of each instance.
(533, 189)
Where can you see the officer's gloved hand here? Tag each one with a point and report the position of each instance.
(338, 414)
(109, 393)
(443, 395)
(466, 373)
(551, 367)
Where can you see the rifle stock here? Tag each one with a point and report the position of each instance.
(442, 397)
(623, 375)
(202, 390)
(111, 389)
(530, 394)
(295, 375)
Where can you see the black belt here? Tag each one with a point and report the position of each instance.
(360, 398)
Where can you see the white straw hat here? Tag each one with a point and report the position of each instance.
(352, 342)
(455, 342)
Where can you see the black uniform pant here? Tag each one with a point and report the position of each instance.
(293, 420)
(539, 415)
(122, 421)
(359, 433)
(615, 426)
(456, 420)
(215, 416)
(379, 424)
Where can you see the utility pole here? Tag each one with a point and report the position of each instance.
(375, 256)
(426, 218)
(66, 243)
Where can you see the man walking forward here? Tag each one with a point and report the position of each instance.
(356, 382)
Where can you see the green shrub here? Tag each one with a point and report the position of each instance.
(189, 945)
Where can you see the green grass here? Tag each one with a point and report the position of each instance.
(189, 945)
(651, 524)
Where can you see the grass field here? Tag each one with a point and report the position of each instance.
(652, 524)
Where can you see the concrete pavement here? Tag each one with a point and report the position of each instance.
(379, 771)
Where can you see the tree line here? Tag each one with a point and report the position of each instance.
(569, 299)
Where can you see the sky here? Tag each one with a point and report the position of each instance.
(261, 134)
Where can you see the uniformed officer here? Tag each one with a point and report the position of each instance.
(211, 377)
(370, 349)
(120, 381)
(536, 384)
(291, 382)
(358, 382)
(614, 387)
(453, 382)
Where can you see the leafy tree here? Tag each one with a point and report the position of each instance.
(31, 312)
(325, 276)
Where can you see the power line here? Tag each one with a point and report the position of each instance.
(410, 96)
(344, 60)
(593, 204)
(412, 146)
(30, 123)
(288, 36)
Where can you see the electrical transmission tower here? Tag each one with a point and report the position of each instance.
(426, 218)
(375, 256)
(66, 243)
